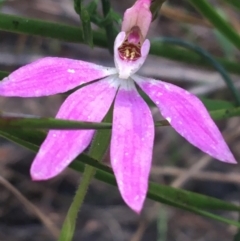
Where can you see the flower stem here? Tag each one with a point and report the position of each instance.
(69, 224)
(109, 29)
(97, 150)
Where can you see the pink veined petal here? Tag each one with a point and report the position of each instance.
(127, 68)
(60, 147)
(48, 76)
(131, 145)
(188, 116)
(138, 15)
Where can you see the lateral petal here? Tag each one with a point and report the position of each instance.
(131, 145)
(60, 147)
(50, 75)
(188, 116)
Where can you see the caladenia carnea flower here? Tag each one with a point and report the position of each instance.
(133, 127)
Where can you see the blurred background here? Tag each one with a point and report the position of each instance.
(35, 210)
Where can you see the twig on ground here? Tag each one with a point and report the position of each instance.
(202, 163)
(202, 175)
(31, 208)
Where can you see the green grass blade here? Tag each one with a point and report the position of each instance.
(19, 122)
(157, 192)
(68, 33)
(211, 14)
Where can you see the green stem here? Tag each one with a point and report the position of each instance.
(15, 123)
(234, 3)
(155, 8)
(3, 74)
(97, 151)
(178, 54)
(85, 20)
(104, 173)
(109, 29)
(69, 224)
(36, 27)
(86, 25)
(221, 25)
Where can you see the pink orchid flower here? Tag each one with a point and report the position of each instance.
(133, 126)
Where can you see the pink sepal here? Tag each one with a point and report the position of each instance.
(59, 149)
(50, 76)
(188, 116)
(131, 145)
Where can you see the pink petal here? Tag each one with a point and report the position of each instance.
(188, 116)
(89, 103)
(50, 76)
(131, 145)
(138, 15)
(127, 68)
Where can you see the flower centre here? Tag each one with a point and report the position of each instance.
(130, 49)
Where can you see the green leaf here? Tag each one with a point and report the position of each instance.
(68, 33)
(156, 191)
(179, 54)
(162, 192)
(202, 52)
(225, 113)
(237, 234)
(2, 2)
(226, 45)
(211, 14)
(3, 74)
(16, 138)
(101, 140)
(213, 105)
(236, 4)
(48, 123)
(175, 197)
(18, 122)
